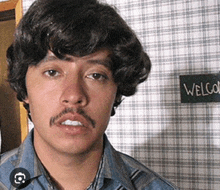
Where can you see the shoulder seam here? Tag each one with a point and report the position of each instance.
(7, 155)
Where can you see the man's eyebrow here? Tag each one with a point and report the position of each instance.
(49, 57)
(52, 57)
(105, 62)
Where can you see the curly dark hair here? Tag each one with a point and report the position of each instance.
(78, 28)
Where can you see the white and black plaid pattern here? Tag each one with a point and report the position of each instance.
(179, 141)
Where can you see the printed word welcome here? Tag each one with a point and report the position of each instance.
(200, 88)
(203, 89)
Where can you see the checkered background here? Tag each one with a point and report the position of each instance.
(179, 141)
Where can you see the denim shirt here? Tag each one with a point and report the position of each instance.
(117, 171)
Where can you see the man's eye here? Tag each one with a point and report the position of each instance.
(97, 76)
(52, 73)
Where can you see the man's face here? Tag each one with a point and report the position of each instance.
(71, 101)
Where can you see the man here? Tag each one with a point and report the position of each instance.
(70, 63)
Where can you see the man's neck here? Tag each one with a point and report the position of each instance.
(70, 171)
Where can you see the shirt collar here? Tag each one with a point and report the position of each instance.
(113, 166)
(27, 158)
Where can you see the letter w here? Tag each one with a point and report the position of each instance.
(188, 91)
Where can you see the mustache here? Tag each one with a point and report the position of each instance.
(72, 110)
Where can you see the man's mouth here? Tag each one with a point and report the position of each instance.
(72, 117)
(71, 123)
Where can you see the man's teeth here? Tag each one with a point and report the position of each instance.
(71, 123)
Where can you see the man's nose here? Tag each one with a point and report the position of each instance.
(74, 93)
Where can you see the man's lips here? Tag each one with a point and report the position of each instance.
(70, 115)
(72, 120)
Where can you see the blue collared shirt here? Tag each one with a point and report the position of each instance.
(117, 171)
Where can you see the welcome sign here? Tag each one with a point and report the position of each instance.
(200, 88)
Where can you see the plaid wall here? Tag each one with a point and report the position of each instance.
(179, 141)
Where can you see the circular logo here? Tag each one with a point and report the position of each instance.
(19, 178)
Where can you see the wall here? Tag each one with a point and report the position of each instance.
(9, 107)
(179, 141)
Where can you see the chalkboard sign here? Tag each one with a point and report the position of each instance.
(200, 88)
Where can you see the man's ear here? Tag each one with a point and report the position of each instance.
(26, 100)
